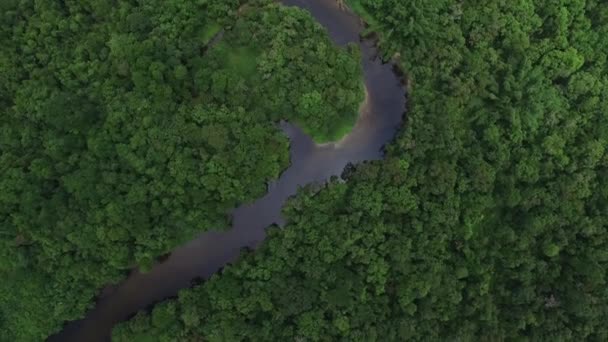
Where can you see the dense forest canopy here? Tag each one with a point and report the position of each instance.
(129, 126)
(488, 218)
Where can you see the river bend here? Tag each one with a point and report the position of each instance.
(380, 117)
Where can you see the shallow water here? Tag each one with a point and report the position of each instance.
(378, 122)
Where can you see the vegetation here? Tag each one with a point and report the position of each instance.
(486, 221)
(125, 131)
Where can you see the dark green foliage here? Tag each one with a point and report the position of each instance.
(487, 220)
(123, 134)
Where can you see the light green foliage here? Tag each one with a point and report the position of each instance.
(209, 31)
(486, 221)
(123, 134)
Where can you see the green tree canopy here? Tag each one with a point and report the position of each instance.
(486, 221)
(126, 128)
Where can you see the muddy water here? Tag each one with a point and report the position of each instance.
(379, 119)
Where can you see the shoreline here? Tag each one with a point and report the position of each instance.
(363, 111)
(377, 123)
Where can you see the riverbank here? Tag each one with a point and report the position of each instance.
(363, 112)
(384, 106)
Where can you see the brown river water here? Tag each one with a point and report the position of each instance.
(379, 120)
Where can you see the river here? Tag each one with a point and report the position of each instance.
(378, 122)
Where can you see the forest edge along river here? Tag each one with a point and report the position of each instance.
(380, 117)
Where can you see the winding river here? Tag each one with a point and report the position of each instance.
(378, 122)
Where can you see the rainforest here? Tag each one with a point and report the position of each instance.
(412, 170)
